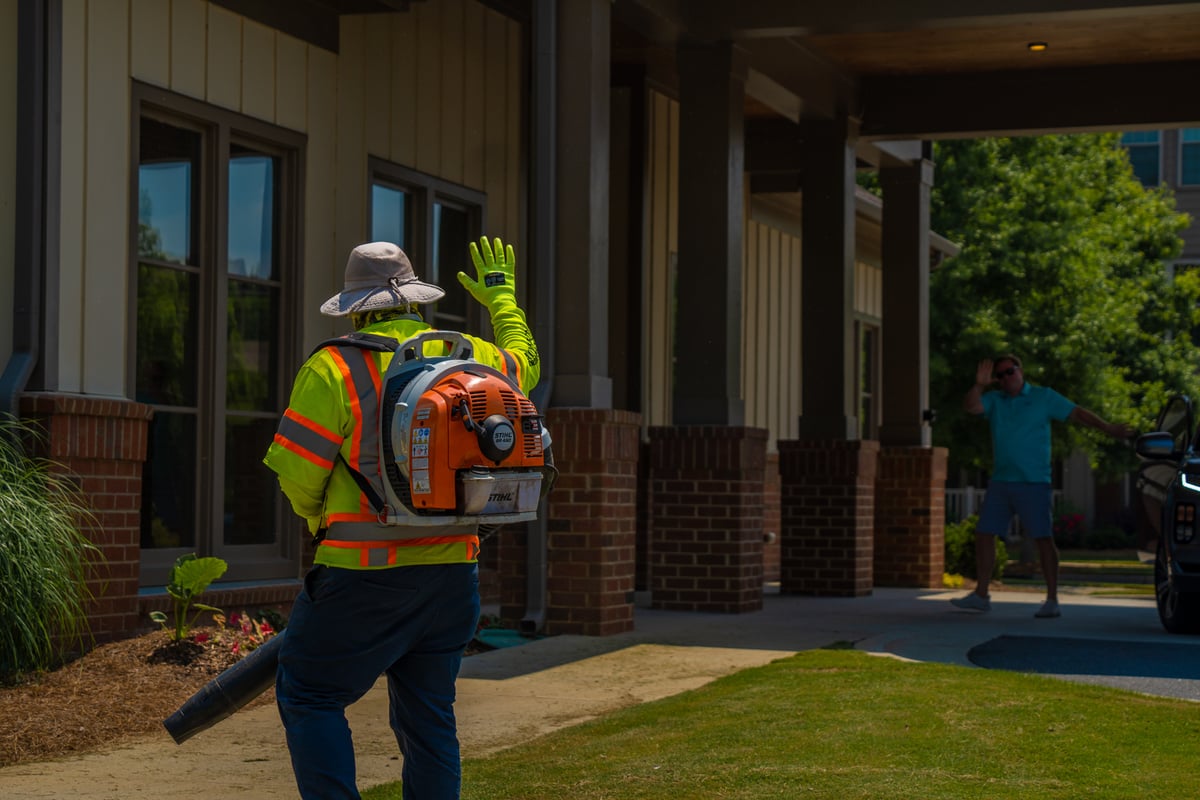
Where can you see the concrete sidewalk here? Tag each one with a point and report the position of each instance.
(512, 695)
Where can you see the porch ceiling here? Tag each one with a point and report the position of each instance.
(942, 68)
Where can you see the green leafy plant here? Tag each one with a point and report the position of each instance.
(960, 549)
(44, 558)
(189, 577)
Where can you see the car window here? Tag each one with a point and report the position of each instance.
(1176, 419)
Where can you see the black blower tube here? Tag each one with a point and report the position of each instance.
(226, 693)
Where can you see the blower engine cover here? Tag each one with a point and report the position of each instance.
(460, 440)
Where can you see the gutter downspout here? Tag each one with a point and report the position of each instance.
(39, 26)
(544, 146)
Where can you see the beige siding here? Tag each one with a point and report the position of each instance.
(771, 327)
(395, 103)
(868, 291)
(72, 214)
(106, 196)
(661, 243)
(8, 151)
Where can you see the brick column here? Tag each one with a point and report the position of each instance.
(771, 520)
(910, 517)
(101, 444)
(592, 526)
(827, 507)
(706, 545)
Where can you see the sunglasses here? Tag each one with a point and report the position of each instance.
(1004, 373)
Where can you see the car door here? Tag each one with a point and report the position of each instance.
(1155, 475)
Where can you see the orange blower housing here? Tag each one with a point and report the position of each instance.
(461, 442)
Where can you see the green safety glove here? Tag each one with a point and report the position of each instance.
(495, 266)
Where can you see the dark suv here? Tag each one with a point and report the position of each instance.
(1168, 483)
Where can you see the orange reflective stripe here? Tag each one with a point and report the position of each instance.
(367, 516)
(304, 453)
(356, 411)
(466, 538)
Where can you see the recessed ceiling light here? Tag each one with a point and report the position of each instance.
(1037, 47)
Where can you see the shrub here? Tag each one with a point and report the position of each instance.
(960, 549)
(1109, 539)
(44, 558)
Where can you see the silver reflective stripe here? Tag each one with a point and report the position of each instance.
(368, 404)
(373, 532)
(309, 439)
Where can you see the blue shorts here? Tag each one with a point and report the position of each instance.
(1031, 502)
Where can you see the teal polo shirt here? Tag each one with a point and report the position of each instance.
(1021, 431)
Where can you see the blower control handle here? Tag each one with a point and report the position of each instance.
(460, 346)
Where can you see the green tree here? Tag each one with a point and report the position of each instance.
(1062, 263)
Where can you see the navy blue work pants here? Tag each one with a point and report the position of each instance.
(347, 628)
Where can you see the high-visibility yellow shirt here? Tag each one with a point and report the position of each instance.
(334, 410)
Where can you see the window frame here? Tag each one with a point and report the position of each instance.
(1157, 144)
(426, 191)
(1185, 146)
(219, 129)
(865, 328)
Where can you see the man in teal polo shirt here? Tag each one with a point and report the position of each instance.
(1019, 414)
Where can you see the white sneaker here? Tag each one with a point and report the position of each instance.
(973, 602)
(1048, 609)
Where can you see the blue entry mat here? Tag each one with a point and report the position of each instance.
(496, 638)
(1164, 668)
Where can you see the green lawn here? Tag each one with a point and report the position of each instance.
(843, 724)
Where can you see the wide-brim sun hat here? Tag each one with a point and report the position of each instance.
(379, 275)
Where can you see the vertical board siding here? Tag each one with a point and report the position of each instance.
(189, 43)
(72, 223)
(291, 80)
(771, 342)
(323, 272)
(868, 290)
(106, 196)
(258, 84)
(453, 75)
(149, 48)
(437, 89)
(658, 304)
(223, 73)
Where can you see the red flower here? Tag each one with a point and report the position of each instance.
(200, 637)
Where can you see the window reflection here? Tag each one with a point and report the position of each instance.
(167, 339)
(167, 192)
(169, 488)
(248, 517)
(252, 361)
(389, 216)
(251, 214)
(451, 233)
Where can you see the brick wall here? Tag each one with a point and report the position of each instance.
(592, 522)
(827, 509)
(101, 445)
(910, 517)
(772, 524)
(706, 540)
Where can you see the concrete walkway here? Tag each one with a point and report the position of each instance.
(510, 696)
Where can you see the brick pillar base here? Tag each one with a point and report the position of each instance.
(910, 517)
(706, 546)
(827, 507)
(771, 521)
(592, 527)
(101, 444)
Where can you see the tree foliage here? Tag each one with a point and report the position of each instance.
(1063, 263)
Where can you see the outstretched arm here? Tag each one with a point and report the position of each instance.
(1116, 430)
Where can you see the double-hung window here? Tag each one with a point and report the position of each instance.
(215, 260)
(1145, 152)
(433, 221)
(1189, 157)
